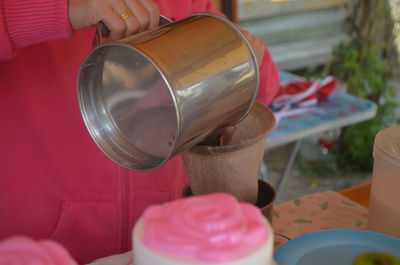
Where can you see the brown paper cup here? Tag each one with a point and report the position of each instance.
(233, 166)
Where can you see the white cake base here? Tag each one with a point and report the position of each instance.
(146, 256)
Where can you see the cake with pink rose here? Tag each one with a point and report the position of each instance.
(208, 229)
(22, 250)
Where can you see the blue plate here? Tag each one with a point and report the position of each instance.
(333, 247)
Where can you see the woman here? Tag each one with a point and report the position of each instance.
(54, 181)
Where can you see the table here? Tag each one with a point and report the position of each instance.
(360, 193)
(328, 210)
(341, 109)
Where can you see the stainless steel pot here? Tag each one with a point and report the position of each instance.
(147, 97)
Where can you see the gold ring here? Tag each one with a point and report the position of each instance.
(126, 15)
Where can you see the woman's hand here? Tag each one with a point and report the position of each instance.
(122, 17)
(257, 45)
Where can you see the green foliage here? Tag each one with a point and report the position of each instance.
(321, 168)
(313, 72)
(366, 75)
(354, 150)
(363, 65)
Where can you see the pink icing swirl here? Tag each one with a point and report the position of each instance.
(211, 228)
(21, 250)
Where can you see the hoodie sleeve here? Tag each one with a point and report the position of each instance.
(28, 22)
(269, 79)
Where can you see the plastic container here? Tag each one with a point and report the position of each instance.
(384, 206)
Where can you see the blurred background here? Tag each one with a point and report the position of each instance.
(355, 41)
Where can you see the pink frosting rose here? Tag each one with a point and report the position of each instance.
(211, 228)
(20, 250)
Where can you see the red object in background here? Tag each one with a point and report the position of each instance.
(327, 140)
(304, 93)
(326, 145)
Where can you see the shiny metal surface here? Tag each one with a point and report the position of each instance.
(147, 97)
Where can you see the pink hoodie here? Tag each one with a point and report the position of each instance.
(54, 181)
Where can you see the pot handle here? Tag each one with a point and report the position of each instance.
(103, 32)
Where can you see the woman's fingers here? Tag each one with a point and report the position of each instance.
(114, 23)
(154, 12)
(141, 15)
(122, 17)
(138, 15)
(126, 15)
(146, 13)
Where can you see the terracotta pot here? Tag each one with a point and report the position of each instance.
(265, 198)
(232, 164)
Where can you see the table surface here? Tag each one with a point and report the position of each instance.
(341, 109)
(321, 211)
(360, 193)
